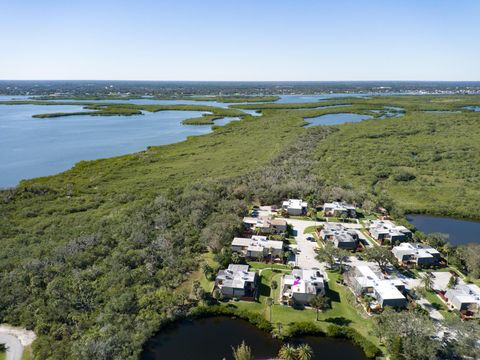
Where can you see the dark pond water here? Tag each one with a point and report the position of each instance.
(31, 147)
(213, 338)
(460, 231)
(335, 119)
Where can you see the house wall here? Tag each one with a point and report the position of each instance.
(237, 248)
(295, 211)
(392, 302)
(345, 245)
(232, 292)
(302, 298)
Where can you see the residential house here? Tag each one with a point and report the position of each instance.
(417, 254)
(295, 207)
(386, 291)
(341, 236)
(258, 247)
(338, 209)
(266, 225)
(237, 281)
(301, 286)
(387, 230)
(464, 298)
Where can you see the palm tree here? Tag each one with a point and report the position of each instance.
(427, 281)
(318, 303)
(287, 352)
(304, 352)
(242, 352)
(269, 304)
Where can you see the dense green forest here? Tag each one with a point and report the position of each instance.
(93, 259)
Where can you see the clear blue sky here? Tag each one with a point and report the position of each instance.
(240, 40)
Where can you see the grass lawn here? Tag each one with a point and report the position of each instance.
(198, 275)
(256, 265)
(291, 240)
(438, 304)
(310, 229)
(27, 353)
(3, 355)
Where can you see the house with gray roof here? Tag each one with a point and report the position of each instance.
(338, 209)
(464, 298)
(341, 236)
(416, 254)
(382, 230)
(257, 247)
(265, 225)
(383, 290)
(237, 281)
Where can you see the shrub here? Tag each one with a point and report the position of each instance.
(304, 328)
(370, 350)
(403, 175)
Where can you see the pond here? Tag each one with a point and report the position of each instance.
(213, 338)
(335, 119)
(31, 147)
(460, 231)
(473, 108)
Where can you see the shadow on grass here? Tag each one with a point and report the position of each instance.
(264, 290)
(340, 320)
(334, 296)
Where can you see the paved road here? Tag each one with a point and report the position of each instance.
(306, 256)
(14, 347)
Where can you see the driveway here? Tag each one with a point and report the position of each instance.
(13, 345)
(15, 339)
(306, 256)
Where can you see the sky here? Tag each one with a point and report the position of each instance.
(258, 40)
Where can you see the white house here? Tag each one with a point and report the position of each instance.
(419, 254)
(302, 285)
(387, 230)
(341, 236)
(464, 297)
(257, 247)
(386, 291)
(339, 208)
(295, 207)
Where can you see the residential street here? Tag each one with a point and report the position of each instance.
(15, 339)
(14, 347)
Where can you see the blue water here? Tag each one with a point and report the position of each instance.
(473, 108)
(335, 119)
(31, 147)
(459, 231)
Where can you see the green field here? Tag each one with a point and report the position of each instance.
(97, 255)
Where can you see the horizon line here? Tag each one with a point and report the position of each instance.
(246, 81)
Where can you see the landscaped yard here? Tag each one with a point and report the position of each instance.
(340, 313)
(438, 304)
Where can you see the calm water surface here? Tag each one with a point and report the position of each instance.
(213, 338)
(474, 108)
(460, 231)
(31, 147)
(335, 119)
